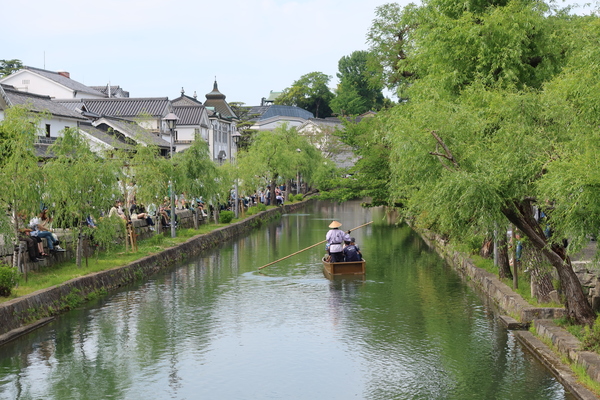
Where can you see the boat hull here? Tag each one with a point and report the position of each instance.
(344, 268)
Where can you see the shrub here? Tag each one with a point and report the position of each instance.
(8, 279)
(251, 210)
(261, 207)
(591, 337)
(225, 217)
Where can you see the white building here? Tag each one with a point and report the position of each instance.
(56, 85)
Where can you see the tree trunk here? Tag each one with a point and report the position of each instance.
(272, 191)
(504, 271)
(520, 213)
(541, 279)
(79, 249)
(487, 247)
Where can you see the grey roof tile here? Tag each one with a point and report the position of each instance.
(104, 136)
(184, 100)
(189, 115)
(38, 103)
(132, 131)
(114, 90)
(128, 107)
(216, 100)
(286, 111)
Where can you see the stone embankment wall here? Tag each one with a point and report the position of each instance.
(489, 283)
(17, 313)
(522, 314)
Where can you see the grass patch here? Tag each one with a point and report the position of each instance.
(579, 370)
(524, 289)
(59, 273)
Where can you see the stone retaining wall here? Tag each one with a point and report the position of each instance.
(509, 302)
(21, 311)
(489, 283)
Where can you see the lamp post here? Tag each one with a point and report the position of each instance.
(236, 138)
(171, 120)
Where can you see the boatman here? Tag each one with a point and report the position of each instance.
(335, 240)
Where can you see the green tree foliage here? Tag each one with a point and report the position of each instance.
(360, 89)
(20, 178)
(73, 193)
(310, 93)
(244, 124)
(150, 173)
(477, 143)
(198, 175)
(387, 38)
(8, 67)
(276, 155)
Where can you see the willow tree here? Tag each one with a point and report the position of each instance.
(79, 183)
(473, 143)
(150, 172)
(20, 177)
(198, 175)
(272, 156)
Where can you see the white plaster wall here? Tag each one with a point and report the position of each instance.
(37, 85)
(57, 124)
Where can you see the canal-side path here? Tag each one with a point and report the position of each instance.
(26, 313)
(520, 314)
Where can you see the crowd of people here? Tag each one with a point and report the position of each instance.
(33, 230)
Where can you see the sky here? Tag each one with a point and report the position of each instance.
(153, 48)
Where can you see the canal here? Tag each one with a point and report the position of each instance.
(217, 328)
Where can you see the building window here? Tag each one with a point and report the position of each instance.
(25, 81)
(47, 130)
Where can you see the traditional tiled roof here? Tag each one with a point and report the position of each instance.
(189, 115)
(37, 103)
(184, 100)
(286, 111)
(64, 81)
(114, 90)
(216, 101)
(73, 105)
(257, 111)
(128, 107)
(132, 130)
(104, 136)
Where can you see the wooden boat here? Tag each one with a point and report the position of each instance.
(344, 268)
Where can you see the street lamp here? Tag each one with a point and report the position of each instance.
(171, 120)
(236, 139)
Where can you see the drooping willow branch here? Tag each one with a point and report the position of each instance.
(447, 154)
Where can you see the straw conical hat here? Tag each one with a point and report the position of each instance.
(335, 224)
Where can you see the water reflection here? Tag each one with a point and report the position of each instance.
(216, 327)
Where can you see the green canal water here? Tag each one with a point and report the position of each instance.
(217, 328)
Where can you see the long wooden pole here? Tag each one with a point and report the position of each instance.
(309, 247)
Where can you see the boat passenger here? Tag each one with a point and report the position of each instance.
(352, 252)
(335, 239)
